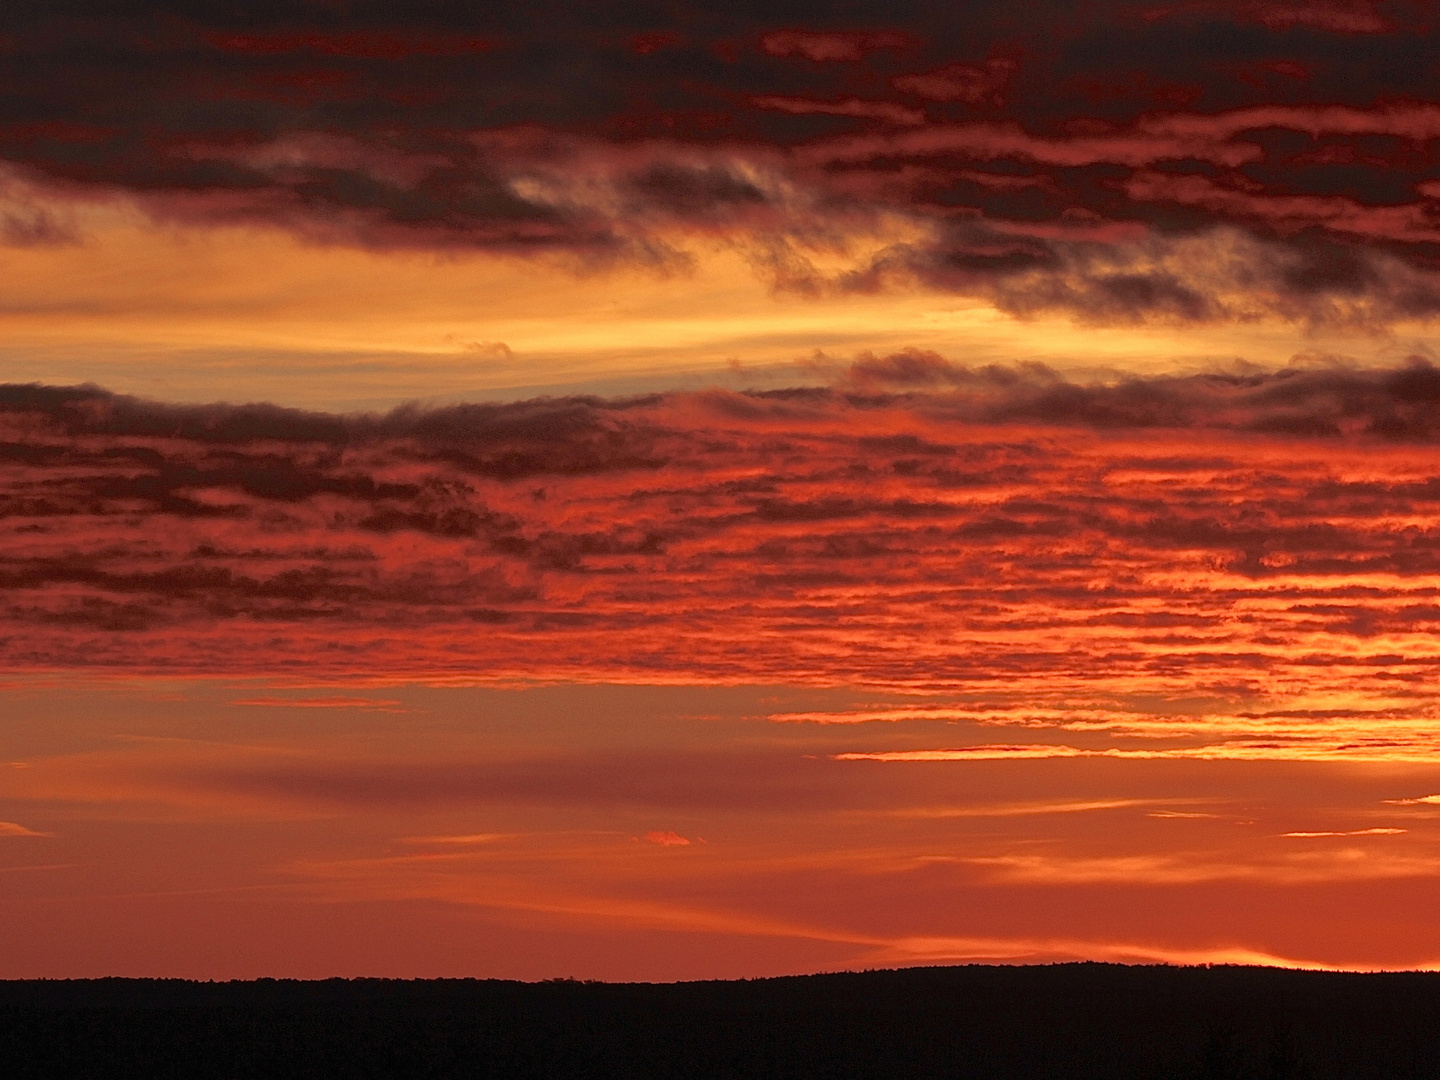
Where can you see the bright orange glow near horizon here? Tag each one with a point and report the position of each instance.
(180, 313)
(610, 831)
(566, 496)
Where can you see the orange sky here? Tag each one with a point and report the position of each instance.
(719, 684)
(590, 491)
(186, 312)
(211, 827)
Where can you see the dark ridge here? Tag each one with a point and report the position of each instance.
(1072, 1021)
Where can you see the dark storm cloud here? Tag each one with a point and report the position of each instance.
(1124, 162)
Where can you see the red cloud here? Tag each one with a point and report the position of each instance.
(1335, 16)
(358, 44)
(874, 110)
(1331, 16)
(925, 524)
(831, 45)
(655, 41)
(974, 83)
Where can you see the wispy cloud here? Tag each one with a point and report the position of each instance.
(10, 828)
(1023, 809)
(365, 704)
(1190, 868)
(461, 839)
(1297, 749)
(963, 949)
(668, 838)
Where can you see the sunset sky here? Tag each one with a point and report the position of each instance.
(652, 491)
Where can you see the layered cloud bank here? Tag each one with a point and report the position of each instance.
(1032, 669)
(1122, 163)
(920, 525)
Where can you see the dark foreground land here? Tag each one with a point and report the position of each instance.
(1069, 1021)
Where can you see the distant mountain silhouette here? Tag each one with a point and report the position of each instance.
(1070, 1021)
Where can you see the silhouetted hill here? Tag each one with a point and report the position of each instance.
(1071, 1021)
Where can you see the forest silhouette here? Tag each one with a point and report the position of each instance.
(1083, 1021)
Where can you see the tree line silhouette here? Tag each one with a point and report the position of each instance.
(1073, 1021)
